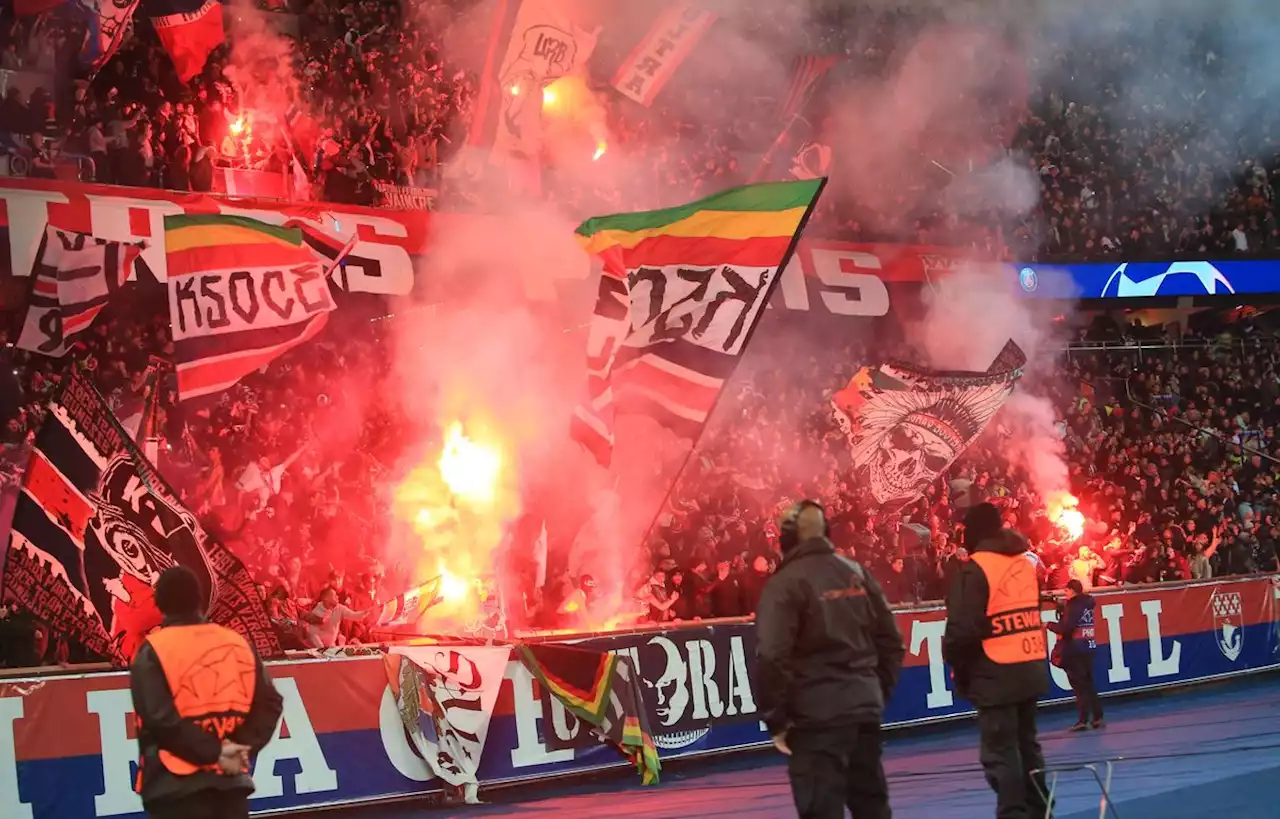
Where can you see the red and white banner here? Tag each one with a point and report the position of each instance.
(654, 60)
(840, 278)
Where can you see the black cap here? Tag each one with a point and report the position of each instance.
(178, 593)
(981, 521)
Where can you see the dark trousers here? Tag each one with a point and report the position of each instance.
(1079, 670)
(1009, 752)
(838, 767)
(205, 804)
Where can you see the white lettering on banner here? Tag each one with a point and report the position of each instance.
(711, 307)
(694, 680)
(530, 750)
(396, 744)
(565, 725)
(111, 217)
(1058, 676)
(857, 294)
(739, 697)
(28, 213)
(927, 634)
(230, 301)
(114, 707)
(11, 804)
(1113, 613)
(371, 266)
(301, 744)
(862, 295)
(1160, 665)
(702, 669)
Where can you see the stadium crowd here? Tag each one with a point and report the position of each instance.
(359, 92)
(1171, 450)
(1175, 479)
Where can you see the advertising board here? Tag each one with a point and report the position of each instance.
(341, 739)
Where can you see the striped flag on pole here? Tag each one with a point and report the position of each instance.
(241, 294)
(680, 293)
(75, 276)
(805, 74)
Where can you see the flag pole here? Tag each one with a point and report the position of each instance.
(766, 161)
(693, 449)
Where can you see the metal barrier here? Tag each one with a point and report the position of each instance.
(1055, 771)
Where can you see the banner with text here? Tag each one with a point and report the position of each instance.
(654, 60)
(342, 738)
(842, 279)
(404, 197)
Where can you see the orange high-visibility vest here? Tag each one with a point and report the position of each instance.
(212, 673)
(1016, 632)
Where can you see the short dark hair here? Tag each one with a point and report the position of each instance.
(178, 593)
(1075, 586)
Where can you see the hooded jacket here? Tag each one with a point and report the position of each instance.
(978, 679)
(830, 652)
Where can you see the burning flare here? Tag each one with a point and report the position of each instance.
(1063, 513)
(238, 126)
(470, 469)
(454, 510)
(600, 149)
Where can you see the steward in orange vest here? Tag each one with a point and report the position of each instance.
(203, 703)
(995, 645)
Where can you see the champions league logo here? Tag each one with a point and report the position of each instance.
(1178, 279)
(1228, 623)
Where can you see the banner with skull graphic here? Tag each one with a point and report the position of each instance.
(94, 527)
(906, 425)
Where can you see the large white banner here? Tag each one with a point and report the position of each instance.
(446, 696)
(655, 58)
(544, 46)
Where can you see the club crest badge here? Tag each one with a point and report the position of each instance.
(1228, 623)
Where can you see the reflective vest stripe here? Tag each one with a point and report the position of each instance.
(1015, 628)
(212, 673)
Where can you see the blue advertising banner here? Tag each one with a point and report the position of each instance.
(1141, 280)
(341, 739)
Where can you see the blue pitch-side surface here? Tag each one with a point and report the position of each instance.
(1189, 755)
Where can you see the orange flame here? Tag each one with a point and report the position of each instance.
(237, 126)
(549, 96)
(1063, 513)
(515, 90)
(470, 469)
(600, 149)
(454, 509)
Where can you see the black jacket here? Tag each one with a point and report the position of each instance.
(160, 727)
(1068, 627)
(830, 651)
(978, 679)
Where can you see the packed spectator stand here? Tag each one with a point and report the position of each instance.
(1170, 433)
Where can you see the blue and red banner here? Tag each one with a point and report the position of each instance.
(342, 739)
